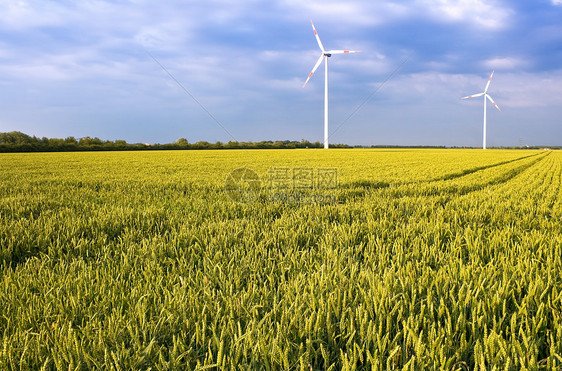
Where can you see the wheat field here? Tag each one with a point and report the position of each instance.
(412, 259)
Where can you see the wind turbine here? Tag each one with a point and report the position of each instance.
(486, 96)
(325, 55)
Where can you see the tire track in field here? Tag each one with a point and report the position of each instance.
(533, 183)
(557, 174)
(546, 185)
(461, 190)
(478, 168)
(360, 188)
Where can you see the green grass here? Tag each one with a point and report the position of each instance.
(429, 259)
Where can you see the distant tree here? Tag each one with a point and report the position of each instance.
(232, 144)
(121, 144)
(202, 145)
(87, 141)
(15, 137)
(182, 142)
(55, 141)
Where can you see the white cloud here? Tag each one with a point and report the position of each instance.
(23, 14)
(354, 12)
(506, 63)
(292, 84)
(556, 2)
(530, 90)
(483, 13)
(488, 14)
(511, 90)
(163, 36)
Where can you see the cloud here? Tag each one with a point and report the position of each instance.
(488, 14)
(480, 13)
(556, 2)
(18, 14)
(530, 90)
(512, 90)
(506, 63)
(163, 36)
(356, 12)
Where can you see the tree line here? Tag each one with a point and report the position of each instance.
(16, 141)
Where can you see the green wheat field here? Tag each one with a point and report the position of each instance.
(442, 259)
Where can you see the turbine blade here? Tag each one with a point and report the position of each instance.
(314, 69)
(341, 51)
(489, 81)
(317, 37)
(494, 103)
(474, 96)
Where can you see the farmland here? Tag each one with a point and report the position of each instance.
(426, 259)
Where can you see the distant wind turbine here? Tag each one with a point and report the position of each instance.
(325, 55)
(486, 96)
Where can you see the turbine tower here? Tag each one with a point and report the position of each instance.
(325, 55)
(486, 96)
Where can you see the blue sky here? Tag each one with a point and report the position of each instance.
(81, 68)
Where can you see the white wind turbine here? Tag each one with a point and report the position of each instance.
(486, 96)
(325, 55)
